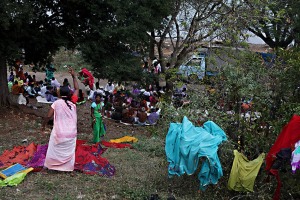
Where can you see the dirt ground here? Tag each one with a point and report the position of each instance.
(22, 125)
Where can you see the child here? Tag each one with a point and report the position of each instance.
(97, 111)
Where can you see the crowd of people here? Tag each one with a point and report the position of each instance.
(132, 105)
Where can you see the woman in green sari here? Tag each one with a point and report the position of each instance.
(97, 111)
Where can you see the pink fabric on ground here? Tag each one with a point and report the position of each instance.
(61, 148)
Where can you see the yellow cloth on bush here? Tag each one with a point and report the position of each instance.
(124, 139)
(244, 172)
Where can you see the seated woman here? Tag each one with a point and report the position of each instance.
(141, 117)
(49, 94)
(81, 99)
(16, 88)
(61, 148)
(153, 117)
(127, 116)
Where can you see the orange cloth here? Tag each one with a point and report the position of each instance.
(16, 89)
(19, 154)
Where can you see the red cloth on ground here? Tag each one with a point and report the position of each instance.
(116, 145)
(19, 154)
(289, 135)
(88, 159)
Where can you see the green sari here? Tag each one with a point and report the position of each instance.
(98, 126)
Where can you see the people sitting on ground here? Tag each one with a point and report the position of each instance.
(153, 117)
(127, 115)
(109, 88)
(54, 83)
(16, 88)
(91, 95)
(108, 102)
(147, 94)
(143, 103)
(100, 89)
(11, 77)
(9, 85)
(33, 79)
(20, 81)
(43, 90)
(153, 99)
(119, 87)
(30, 90)
(117, 112)
(37, 86)
(141, 117)
(49, 94)
(97, 111)
(81, 98)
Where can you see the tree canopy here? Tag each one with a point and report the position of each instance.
(107, 32)
(275, 22)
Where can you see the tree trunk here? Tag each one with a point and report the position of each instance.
(4, 98)
(152, 45)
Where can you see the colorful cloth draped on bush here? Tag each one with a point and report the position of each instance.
(116, 145)
(87, 159)
(296, 157)
(244, 172)
(185, 144)
(124, 139)
(19, 154)
(289, 135)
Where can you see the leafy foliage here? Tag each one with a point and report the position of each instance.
(274, 90)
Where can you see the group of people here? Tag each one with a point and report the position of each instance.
(131, 106)
(136, 106)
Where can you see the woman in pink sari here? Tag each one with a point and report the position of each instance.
(61, 148)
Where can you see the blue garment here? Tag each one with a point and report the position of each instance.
(185, 144)
(152, 118)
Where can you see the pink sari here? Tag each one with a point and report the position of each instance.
(61, 148)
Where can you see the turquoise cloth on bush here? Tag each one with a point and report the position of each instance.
(185, 144)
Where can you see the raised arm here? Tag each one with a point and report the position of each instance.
(76, 86)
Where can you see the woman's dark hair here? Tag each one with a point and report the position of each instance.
(97, 85)
(98, 95)
(66, 82)
(80, 94)
(65, 94)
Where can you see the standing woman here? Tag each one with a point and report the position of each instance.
(61, 148)
(97, 111)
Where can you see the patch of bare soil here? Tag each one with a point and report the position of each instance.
(22, 124)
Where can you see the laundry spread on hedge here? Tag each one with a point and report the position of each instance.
(281, 151)
(244, 172)
(186, 144)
